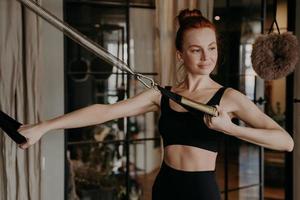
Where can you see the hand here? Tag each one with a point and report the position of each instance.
(220, 123)
(32, 133)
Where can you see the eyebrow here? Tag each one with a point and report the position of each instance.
(194, 45)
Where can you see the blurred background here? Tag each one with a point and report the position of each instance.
(120, 159)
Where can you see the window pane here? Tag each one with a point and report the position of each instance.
(243, 164)
(251, 193)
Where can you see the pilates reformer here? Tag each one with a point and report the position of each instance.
(10, 126)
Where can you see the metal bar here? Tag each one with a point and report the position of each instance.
(289, 112)
(126, 120)
(89, 44)
(244, 187)
(92, 142)
(114, 73)
(113, 4)
(261, 149)
(296, 100)
(76, 35)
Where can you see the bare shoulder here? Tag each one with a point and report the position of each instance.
(151, 95)
(234, 101)
(146, 101)
(241, 107)
(234, 96)
(147, 98)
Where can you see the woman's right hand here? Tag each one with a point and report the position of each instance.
(32, 132)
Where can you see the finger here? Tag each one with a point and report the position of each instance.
(24, 146)
(207, 119)
(219, 110)
(24, 126)
(21, 128)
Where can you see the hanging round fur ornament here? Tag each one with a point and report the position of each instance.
(275, 55)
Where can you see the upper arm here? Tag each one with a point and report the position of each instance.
(241, 107)
(146, 101)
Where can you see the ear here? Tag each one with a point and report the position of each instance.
(179, 55)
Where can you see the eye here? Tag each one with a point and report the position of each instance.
(212, 48)
(195, 50)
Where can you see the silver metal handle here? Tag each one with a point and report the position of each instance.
(98, 50)
(76, 35)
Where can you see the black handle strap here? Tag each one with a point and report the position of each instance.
(10, 126)
(177, 98)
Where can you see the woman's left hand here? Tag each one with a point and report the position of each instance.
(33, 133)
(220, 123)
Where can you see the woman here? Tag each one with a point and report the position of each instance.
(190, 143)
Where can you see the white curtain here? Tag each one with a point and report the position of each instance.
(20, 171)
(166, 12)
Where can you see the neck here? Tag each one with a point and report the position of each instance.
(197, 82)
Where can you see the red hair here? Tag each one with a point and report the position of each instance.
(190, 19)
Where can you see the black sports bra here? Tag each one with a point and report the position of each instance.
(186, 129)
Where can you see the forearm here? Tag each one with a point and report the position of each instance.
(91, 115)
(270, 138)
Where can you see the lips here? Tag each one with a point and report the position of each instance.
(204, 65)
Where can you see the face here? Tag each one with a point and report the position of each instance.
(199, 51)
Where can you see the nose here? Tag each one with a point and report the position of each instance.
(204, 55)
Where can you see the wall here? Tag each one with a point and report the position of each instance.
(52, 104)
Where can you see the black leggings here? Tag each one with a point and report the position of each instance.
(176, 184)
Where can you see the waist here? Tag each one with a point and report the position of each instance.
(188, 158)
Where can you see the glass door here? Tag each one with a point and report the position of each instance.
(96, 163)
(246, 171)
(240, 164)
(275, 107)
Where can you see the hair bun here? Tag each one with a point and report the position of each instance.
(186, 13)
